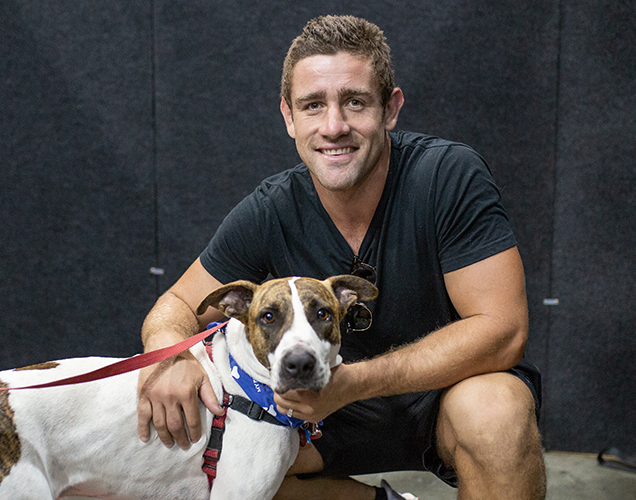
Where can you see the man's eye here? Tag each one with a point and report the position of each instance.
(323, 315)
(268, 318)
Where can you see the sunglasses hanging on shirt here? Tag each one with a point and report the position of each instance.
(359, 317)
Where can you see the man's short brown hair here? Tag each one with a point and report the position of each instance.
(328, 35)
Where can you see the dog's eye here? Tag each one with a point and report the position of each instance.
(323, 315)
(268, 318)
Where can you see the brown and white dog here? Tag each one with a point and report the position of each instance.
(81, 440)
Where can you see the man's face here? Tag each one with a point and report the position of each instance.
(338, 120)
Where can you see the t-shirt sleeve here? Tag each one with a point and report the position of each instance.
(471, 222)
(236, 249)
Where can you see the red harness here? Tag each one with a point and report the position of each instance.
(213, 451)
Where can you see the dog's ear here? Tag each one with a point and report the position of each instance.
(350, 289)
(233, 299)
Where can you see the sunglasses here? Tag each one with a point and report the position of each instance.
(359, 317)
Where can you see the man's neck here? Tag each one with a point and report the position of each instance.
(352, 210)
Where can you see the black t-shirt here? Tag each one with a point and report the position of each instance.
(440, 211)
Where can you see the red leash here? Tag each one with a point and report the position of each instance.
(126, 365)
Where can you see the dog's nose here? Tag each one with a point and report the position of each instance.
(299, 364)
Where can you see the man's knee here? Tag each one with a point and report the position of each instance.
(491, 417)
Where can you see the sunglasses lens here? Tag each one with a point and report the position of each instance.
(358, 318)
(366, 272)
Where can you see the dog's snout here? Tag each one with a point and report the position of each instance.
(299, 364)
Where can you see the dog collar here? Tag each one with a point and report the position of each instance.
(261, 394)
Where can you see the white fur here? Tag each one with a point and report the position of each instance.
(82, 440)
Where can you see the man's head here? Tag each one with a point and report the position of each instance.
(328, 35)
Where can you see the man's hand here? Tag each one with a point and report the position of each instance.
(316, 406)
(169, 397)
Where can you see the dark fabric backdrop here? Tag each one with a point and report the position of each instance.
(129, 129)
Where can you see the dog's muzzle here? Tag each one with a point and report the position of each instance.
(299, 369)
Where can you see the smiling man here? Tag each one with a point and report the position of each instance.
(433, 377)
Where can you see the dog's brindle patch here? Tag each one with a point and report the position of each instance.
(271, 313)
(10, 447)
(40, 366)
(317, 298)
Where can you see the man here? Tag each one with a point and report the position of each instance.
(435, 381)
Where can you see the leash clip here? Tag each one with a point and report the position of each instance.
(314, 430)
(228, 399)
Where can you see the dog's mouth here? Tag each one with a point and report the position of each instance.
(300, 369)
(292, 385)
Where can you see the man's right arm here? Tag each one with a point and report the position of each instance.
(169, 391)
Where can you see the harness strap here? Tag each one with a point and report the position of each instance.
(212, 454)
(213, 451)
(252, 410)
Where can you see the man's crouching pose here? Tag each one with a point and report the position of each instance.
(433, 377)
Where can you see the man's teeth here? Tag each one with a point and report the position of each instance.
(340, 151)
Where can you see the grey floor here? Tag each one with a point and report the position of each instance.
(570, 477)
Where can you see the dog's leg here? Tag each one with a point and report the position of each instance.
(254, 459)
(25, 482)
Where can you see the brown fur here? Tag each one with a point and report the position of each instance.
(40, 366)
(272, 296)
(10, 448)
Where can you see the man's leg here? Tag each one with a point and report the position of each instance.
(487, 431)
(309, 461)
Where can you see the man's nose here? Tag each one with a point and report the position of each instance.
(334, 123)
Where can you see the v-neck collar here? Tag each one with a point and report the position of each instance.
(376, 221)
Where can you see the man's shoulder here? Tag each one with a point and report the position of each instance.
(290, 182)
(423, 155)
(405, 140)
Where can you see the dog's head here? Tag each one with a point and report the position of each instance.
(293, 324)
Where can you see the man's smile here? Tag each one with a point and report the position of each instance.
(338, 151)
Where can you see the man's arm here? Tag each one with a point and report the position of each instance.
(169, 391)
(491, 335)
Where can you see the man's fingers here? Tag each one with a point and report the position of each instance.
(307, 405)
(144, 416)
(291, 401)
(207, 395)
(176, 426)
(169, 397)
(191, 409)
(192, 417)
(159, 421)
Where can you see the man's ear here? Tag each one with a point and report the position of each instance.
(392, 109)
(289, 119)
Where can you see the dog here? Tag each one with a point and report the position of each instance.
(81, 440)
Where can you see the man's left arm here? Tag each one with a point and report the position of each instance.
(490, 299)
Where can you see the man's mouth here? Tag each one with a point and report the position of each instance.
(337, 151)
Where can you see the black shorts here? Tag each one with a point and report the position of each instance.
(395, 433)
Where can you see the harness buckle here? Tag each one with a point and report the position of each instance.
(255, 411)
(228, 399)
